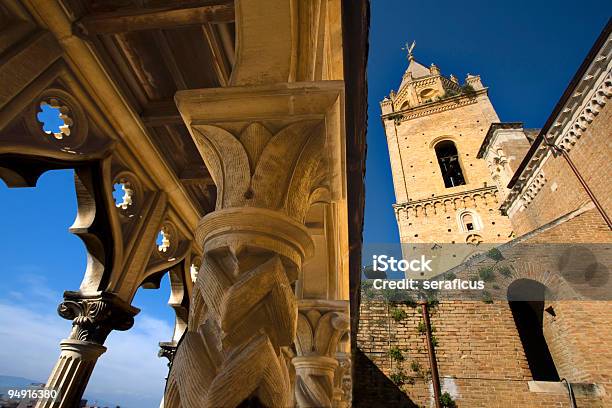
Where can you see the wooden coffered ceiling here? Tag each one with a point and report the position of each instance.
(153, 48)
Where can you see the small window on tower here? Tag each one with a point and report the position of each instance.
(448, 159)
(469, 221)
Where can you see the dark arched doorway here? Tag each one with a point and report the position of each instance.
(526, 298)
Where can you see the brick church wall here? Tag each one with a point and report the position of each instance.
(562, 192)
(480, 356)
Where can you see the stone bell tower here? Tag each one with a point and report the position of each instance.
(434, 127)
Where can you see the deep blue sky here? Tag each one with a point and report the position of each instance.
(526, 53)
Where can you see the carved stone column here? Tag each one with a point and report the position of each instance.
(93, 317)
(267, 157)
(321, 325)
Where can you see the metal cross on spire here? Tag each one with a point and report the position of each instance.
(409, 49)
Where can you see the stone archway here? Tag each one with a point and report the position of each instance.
(527, 302)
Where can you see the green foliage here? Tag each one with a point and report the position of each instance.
(486, 273)
(430, 296)
(495, 254)
(415, 366)
(434, 340)
(450, 93)
(450, 276)
(396, 296)
(505, 271)
(369, 293)
(468, 90)
(399, 377)
(486, 297)
(447, 401)
(398, 314)
(396, 354)
(496, 287)
(409, 301)
(421, 327)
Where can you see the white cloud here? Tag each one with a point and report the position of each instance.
(129, 373)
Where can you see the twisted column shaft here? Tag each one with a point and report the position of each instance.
(244, 312)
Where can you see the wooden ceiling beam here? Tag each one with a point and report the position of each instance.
(219, 60)
(196, 174)
(222, 11)
(160, 113)
(169, 60)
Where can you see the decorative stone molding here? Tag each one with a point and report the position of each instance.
(534, 187)
(447, 203)
(590, 96)
(574, 130)
(167, 350)
(74, 131)
(94, 316)
(321, 325)
(438, 106)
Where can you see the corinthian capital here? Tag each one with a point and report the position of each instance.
(94, 316)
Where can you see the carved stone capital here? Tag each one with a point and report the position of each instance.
(321, 325)
(167, 350)
(94, 316)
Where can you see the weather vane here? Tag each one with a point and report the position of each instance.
(409, 49)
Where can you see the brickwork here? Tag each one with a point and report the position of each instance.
(562, 192)
(587, 227)
(427, 211)
(480, 356)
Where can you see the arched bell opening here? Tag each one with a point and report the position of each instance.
(450, 166)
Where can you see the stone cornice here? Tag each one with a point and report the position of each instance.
(491, 133)
(442, 198)
(585, 98)
(443, 105)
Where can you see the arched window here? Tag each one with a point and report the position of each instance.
(469, 221)
(448, 159)
(526, 299)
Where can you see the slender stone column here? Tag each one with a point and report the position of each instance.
(93, 317)
(72, 371)
(321, 324)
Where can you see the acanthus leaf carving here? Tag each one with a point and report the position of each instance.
(93, 317)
